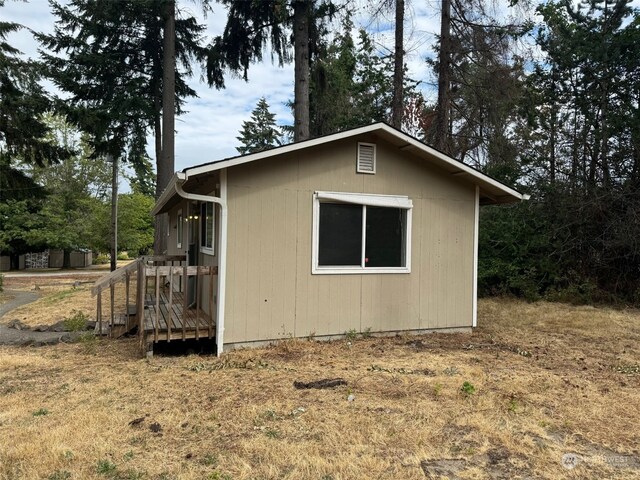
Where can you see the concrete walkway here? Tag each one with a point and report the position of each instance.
(56, 273)
(20, 298)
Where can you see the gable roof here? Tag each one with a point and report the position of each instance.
(491, 190)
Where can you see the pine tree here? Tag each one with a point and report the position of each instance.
(113, 67)
(23, 133)
(260, 132)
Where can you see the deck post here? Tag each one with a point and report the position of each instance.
(185, 304)
(170, 306)
(197, 283)
(113, 296)
(211, 304)
(99, 311)
(156, 320)
(126, 290)
(140, 303)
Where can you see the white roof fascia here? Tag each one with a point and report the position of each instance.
(198, 170)
(445, 158)
(463, 168)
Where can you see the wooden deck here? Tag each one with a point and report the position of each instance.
(163, 325)
(158, 310)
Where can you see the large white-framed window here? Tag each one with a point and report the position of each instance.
(357, 233)
(207, 228)
(179, 229)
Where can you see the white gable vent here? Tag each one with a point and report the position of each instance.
(366, 158)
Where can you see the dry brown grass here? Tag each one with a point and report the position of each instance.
(545, 383)
(60, 298)
(55, 303)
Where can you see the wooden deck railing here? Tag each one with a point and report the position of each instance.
(174, 305)
(124, 274)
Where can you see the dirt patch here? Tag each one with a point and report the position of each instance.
(443, 468)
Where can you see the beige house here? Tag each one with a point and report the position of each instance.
(364, 230)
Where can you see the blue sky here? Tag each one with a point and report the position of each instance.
(208, 131)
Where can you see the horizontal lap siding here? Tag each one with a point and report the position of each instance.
(271, 292)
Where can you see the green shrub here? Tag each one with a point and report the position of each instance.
(123, 256)
(77, 322)
(41, 412)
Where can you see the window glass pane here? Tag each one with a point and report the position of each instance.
(385, 237)
(207, 225)
(340, 239)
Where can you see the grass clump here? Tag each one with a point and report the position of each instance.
(468, 389)
(41, 412)
(351, 335)
(59, 475)
(77, 322)
(105, 467)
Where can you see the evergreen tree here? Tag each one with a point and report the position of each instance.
(113, 67)
(578, 146)
(352, 85)
(251, 25)
(23, 133)
(260, 132)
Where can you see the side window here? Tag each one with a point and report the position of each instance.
(207, 222)
(361, 233)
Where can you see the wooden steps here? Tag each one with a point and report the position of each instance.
(121, 325)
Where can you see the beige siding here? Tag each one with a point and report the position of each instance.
(271, 292)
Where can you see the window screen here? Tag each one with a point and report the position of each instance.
(340, 234)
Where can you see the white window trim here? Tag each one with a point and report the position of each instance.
(365, 199)
(203, 249)
(375, 160)
(179, 228)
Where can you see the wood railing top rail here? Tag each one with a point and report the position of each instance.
(114, 277)
(120, 274)
(164, 258)
(179, 271)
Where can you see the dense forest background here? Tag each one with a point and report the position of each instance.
(542, 96)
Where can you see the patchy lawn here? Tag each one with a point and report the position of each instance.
(533, 383)
(60, 296)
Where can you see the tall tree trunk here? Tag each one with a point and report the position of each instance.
(397, 102)
(114, 211)
(166, 166)
(157, 130)
(301, 57)
(441, 140)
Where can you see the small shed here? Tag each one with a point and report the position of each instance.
(364, 230)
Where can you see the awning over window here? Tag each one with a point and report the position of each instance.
(394, 201)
